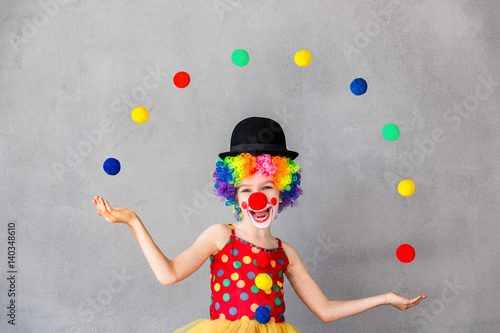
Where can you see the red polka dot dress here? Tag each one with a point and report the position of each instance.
(247, 290)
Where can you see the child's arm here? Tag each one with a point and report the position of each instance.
(312, 296)
(166, 271)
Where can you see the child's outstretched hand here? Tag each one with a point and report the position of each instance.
(403, 303)
(113, 215)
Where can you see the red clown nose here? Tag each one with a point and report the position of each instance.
(257, 201)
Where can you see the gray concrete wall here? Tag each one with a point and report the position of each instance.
(71, 71)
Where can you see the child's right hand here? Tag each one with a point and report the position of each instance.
(114, 215)
(402, 303)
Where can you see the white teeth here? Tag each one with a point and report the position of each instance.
(256, 211)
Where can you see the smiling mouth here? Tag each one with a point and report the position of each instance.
(261, 215)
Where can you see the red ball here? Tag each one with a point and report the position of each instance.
(405, 253)
(257, 201)
(263, 259)
(181, 80)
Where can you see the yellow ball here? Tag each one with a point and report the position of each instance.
(140, 115)
(263, 281)
(406, 187)
(303, 58)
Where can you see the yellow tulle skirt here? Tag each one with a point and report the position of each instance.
(236, 326)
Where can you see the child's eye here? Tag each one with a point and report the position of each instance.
(268, 187)
(245, 190)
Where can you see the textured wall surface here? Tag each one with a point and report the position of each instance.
(71, 71)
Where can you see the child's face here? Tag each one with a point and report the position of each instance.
(259, 200)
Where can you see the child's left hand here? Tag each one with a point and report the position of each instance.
(402, 303)
(114, 215)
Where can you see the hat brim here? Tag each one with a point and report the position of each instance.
(278, 152)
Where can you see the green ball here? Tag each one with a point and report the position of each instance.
(240, 57)
(390, 132)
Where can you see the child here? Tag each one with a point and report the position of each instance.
(258, 178)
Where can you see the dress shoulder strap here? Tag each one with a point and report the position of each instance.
(232, 230)
(279, 242)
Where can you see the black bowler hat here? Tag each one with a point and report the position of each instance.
(257, 136)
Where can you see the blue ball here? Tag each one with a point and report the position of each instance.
(262, 314)
(359, 86)
(111, 166)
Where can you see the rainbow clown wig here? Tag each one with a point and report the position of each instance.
(231, 170)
